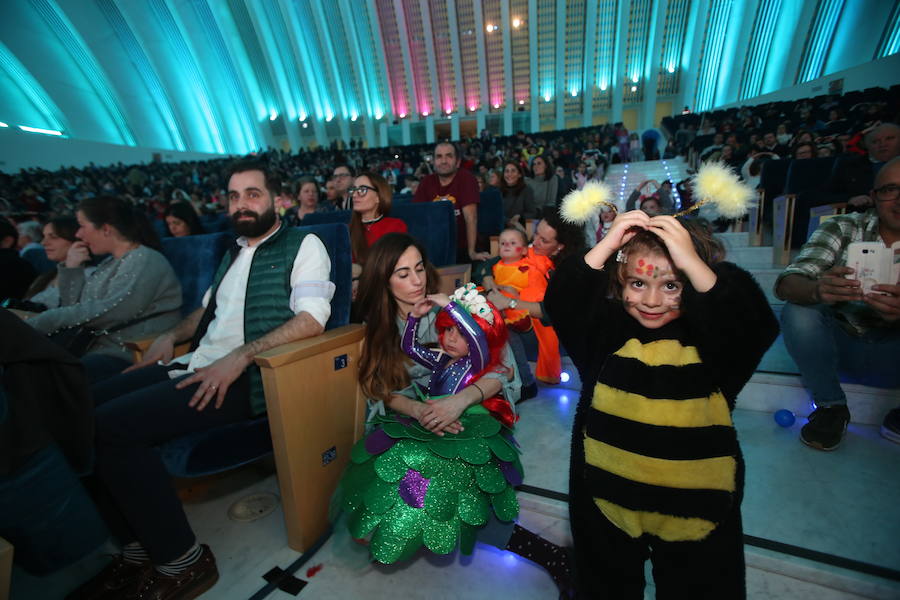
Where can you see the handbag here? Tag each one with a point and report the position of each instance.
(79, 340)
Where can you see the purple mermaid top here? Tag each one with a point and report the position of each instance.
(449, 379)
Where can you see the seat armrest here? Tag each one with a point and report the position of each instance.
(316, 413)
(295, 351)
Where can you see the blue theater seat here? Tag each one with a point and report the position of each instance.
(433, 224)
(230, 446)
(195, 259)
(490, 213)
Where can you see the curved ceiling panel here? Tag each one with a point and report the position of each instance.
(232, 76)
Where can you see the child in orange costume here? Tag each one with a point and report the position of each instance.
(522, 275)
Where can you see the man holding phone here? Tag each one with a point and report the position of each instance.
(831, 327)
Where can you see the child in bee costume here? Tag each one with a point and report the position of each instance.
(664, 335)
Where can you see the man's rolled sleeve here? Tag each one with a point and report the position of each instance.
(822, 252)
(311, 286)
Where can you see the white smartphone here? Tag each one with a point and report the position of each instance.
(873, 263)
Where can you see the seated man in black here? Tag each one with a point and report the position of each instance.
(17, 272)
(271, 289)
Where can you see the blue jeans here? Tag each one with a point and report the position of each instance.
(517, 346)
(824, 350)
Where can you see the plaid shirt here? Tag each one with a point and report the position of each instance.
(826, 248)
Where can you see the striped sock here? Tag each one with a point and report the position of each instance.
(134, 553)
(180, 564)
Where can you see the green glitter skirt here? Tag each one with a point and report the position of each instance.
(406, 487)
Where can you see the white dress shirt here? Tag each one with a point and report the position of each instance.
(311, 292)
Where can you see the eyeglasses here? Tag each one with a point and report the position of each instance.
(360, 190)
(887, 193)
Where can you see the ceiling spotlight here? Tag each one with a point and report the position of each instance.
(2, 124)
(671, 69)
(354, 117)
(602, 87)
(491, 28)
(378, 114)
(402, 115)
(634, 88)
(521, 102)
(635, 78)
(547, 97)
(305, 125)
(273, 115)
(472, 107)
(574, 93)
(448, 110)
(497, 105)
(517, 22)
(424, 113)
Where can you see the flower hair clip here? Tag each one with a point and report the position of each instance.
(621, 257)
(474, 303)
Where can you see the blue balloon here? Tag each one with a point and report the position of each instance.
(784, 417)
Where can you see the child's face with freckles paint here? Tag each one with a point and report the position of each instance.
(651, 291)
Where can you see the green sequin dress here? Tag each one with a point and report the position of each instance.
(406, 487)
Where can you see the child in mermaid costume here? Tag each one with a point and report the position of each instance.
(407, 487)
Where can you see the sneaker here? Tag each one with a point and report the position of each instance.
(890, 427)
(112, 582)
(826, 427)
(189, 584)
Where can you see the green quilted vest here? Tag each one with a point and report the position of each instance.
(267, 303)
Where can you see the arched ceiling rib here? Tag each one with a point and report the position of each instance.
(232, 76)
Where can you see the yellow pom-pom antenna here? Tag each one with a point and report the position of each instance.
(578, 205)
(718, 185)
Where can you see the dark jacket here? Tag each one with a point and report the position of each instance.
(44, 399)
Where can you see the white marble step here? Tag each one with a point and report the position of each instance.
(768, 392)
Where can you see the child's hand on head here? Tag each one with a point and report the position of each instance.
(681, 248)
(677, 240)
(441, 300)
(624, 227)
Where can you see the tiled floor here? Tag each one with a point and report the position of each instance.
(842, 503)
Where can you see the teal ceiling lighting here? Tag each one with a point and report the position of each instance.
(233, 76)
(33, 96)
(70, 39)
(819, 38)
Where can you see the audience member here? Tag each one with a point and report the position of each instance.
(248, 310)
(522, 275)
(342, 176)
(518, 198)
(554, 239)
(308, 200)
(546, 186)
(59, 235)
(396, 280)
(131, 294)
(449, 183)
(31, 233)
(371, 196)
(650, 205)
(831, 327)
(18, 273)
(804, 150)
(182, 220)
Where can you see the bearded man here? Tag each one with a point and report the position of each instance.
(272, 288)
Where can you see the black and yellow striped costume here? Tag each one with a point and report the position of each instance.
(656, 463)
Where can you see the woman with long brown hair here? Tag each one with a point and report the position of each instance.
(397, 277)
